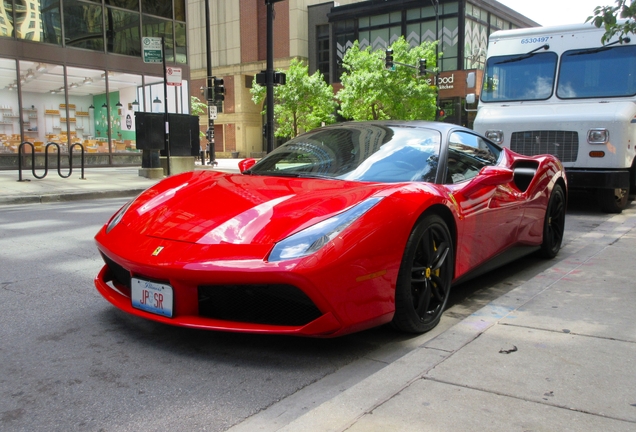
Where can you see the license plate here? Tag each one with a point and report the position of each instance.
(152, 297)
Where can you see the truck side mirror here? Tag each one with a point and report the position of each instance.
(470, 98)
(471, 80)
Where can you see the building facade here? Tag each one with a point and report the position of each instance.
(320, 33)
(71, 71)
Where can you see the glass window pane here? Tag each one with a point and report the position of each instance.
(413, 34)
(396, 17)
(379, 39)
(42, 93)
(159, 8)
(123, 94)
(380, 19)
(413, 14)
(126, 4)
(450, 8)
(36, 21)
(363, 22)
(179, 10)
(156, 27)
(123, 32)
(86, 88)
(83, 25)
(9, 115)
(181, 47)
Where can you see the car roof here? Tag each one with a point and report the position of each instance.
(440, 126)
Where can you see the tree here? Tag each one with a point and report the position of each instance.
(607, 17)
(371, 92)
(197, 108)
(302, 104)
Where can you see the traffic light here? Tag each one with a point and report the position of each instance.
(422, 67)
(219, 89)
(388, 59)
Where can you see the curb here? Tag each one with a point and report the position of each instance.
(69, 196)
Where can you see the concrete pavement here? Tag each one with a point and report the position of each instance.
(557, 353)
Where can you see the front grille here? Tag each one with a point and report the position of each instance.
(120, 274)
(259, 304)
(562, 144)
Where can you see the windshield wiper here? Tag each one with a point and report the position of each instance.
(524, 56)
(600, 49)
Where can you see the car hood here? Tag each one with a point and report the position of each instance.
(209, 207)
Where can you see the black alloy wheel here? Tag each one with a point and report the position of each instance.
(554, 223)
(425, 276)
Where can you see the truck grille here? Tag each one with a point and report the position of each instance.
(562, 144)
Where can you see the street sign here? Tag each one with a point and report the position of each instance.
(152, 52)
(212, 109)
(173, 76)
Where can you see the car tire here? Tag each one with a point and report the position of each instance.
(613, 200)
(554, 223)
(424, 280)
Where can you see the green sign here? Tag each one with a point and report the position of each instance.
(151, 47)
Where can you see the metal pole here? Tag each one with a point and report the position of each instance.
(269, 72)
(209, 94)
(436, 5)
(165, 109)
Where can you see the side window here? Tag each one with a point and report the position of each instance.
(467, 155)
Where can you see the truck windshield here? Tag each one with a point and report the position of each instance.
(599, 72)
(519, 77)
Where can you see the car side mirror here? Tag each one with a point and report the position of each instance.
(489, 176)
(246, 164)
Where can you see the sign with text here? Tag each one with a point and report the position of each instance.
(152, 52)
(173, 76)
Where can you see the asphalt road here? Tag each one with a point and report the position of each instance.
(70, 361)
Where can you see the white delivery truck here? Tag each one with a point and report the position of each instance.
(558, 90)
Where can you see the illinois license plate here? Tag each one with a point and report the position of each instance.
(151, 297)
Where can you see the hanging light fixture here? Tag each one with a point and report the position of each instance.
(118, 105)
(92, 107)
(30, 74)
(157, 101)
(88, 80)
(41, 67)
(104, 105)
(135, 105)
(74, 85)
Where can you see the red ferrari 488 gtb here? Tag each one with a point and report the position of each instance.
(342, 228)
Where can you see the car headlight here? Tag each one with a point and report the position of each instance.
(118, 216)
(311, 239)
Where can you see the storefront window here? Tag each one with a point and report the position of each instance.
(83, 25)
(9, 112)
(86, 88)
(126, 4)
(43, 93)
(122, 105)
(123, 32)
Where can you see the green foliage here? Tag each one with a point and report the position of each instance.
(197, 107)
(607, 17)
(302, 104)
(370, 92)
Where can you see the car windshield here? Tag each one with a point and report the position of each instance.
(363, 152)
(519, 77)
(598, 72)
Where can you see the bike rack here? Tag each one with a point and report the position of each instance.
(46, 160)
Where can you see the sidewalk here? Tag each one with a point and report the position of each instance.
(557, 353)
(103, 182)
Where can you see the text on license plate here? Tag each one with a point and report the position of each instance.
(151, 297)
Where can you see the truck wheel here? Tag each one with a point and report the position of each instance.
(613, 200)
